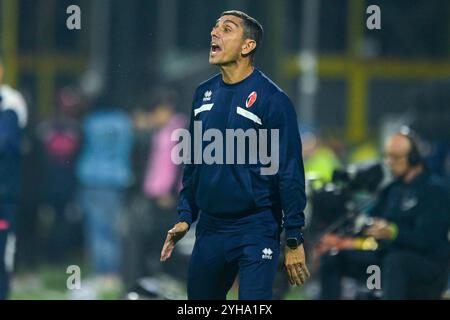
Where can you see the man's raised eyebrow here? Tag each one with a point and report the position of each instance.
(231, 21)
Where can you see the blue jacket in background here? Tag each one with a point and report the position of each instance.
(106, 152)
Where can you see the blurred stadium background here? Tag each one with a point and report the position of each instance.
(351, 86)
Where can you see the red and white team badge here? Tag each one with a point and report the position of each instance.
(251, 99)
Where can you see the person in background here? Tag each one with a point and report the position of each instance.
(104, 173)
(13, 119)
(406, 236)
(319, 160)
(162, 177)
(60, 139)
(161, 181)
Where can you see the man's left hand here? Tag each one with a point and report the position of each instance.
(295, 263)
(380, 230)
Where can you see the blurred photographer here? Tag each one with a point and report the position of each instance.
(406, 235)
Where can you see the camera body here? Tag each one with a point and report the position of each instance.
(337, 206)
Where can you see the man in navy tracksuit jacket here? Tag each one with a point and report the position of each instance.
(241, 210)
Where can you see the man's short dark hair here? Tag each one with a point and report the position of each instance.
(252, 28)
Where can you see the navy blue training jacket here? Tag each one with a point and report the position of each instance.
(236, 190)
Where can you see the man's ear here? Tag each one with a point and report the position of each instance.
(248, 46)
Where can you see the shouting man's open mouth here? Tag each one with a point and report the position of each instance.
(215, 48)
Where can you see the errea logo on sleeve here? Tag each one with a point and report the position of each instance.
(207, 95)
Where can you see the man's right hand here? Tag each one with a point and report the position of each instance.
(295, 263)
(173, 236)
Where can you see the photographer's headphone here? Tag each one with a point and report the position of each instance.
(414, 156)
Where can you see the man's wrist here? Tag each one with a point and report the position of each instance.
(294, 233)
(294, 240)
(185, 217)
(292, 243)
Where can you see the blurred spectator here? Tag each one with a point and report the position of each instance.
(319, 160)
(406, 235)
(13, 118)
(59, 139)
(104, 172)
(160, 184)
(364, 152)
(162, 175)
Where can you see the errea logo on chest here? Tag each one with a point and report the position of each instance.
(207, 95)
